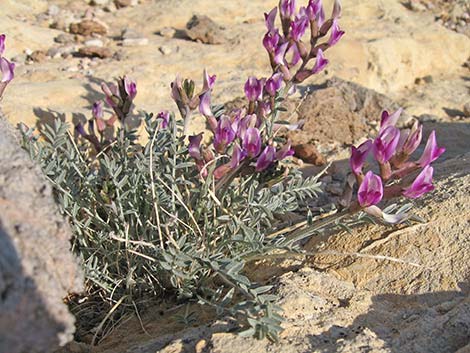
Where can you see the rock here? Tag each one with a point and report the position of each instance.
(95, 42)
(204, 30)
(99, 2)
(167, 32)
(37, 269)
(342, 112)
(88, 28)
(131, 37)
(96, 52)
(38, 56)
(59, 24)
(124, 3)
(466, 109)
(64, 39)
(165, 50)
(53, 10)
(309, 154)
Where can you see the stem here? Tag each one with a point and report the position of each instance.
(186, 117)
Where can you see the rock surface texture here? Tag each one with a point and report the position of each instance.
(37, 269)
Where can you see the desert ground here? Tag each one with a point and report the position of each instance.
(412, 54)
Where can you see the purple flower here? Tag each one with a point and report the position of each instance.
(410, 139)
(194, 147)
(359, 156)
(336, 33)
(273, 84)
(264, 109)
(81, 130)
(371, 190)
(266, 158)
(2, 43)
(336, 9)
(280, 53)
(287, 8)
(299, 26)
(386, 143)
(320, 62)
(252, 142)
(270, 18)
(165, 116)
(97, 110)
(245, 123)
(295, 54)
(314, 9)
(208, 81)
(285, 151)
(271, 40)
(390, 119)
(224, 134)
(253, 89)
(431, 151)
(205, 104)
(8, 70)
(111, 93)
(237, 156)
(130, 87)
(421, 185)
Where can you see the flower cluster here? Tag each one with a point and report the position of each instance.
(7, 68)
(288, 52)
(392, 150)
(119, 97)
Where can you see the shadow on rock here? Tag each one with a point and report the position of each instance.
(426, 323)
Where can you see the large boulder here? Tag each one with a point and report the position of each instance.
(37, 269)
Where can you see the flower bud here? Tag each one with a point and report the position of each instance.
(253, 89)
(130, 87)
(2, 44)
(359, 156)
(252, 142)
(385, 144)
(273, 84)
(320, 62)
(266, 158)
(336, 33)
(270, 18)
(285, 151)
(164, 115)
(224, 134)
(194, 147)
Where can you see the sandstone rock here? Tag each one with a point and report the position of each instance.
(37, 269)
(340, 113)
(309, 153)
(95, 42)
(167, 32)
(88, 27)
(38, 56)
(204, 30)
(96, 52)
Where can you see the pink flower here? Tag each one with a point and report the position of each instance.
(270, 18)
(253, 89)
(97, 110)
(371, 190)
(410, 139)
(336, 33)
(285, 151)
(245, 123)
(252, 142)
(224, 134)
(421, 185)
(2, 43)
(359, 156)
(130, 87)
(390, 119)
(205, 104)
(111, 93)
(299, 26)
(287, 8)
(431, 151)
(194, 147)
(7, 69)
(280, 53)
(208, 81)
(386, 143)
(237, 156)
(320, 62)
(266, 158)
(164, 115)
(314, 9)
(273, 84)
(271, 41)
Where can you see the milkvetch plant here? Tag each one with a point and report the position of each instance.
(183, 214)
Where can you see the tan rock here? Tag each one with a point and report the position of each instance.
(88, 27)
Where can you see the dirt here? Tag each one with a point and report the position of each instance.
(392, 55)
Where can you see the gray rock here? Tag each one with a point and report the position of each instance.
(466, 109)
(37, 269)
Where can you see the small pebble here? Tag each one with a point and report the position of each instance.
(95, 42)
(167, 32)
(165, 50)
(130, 42)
